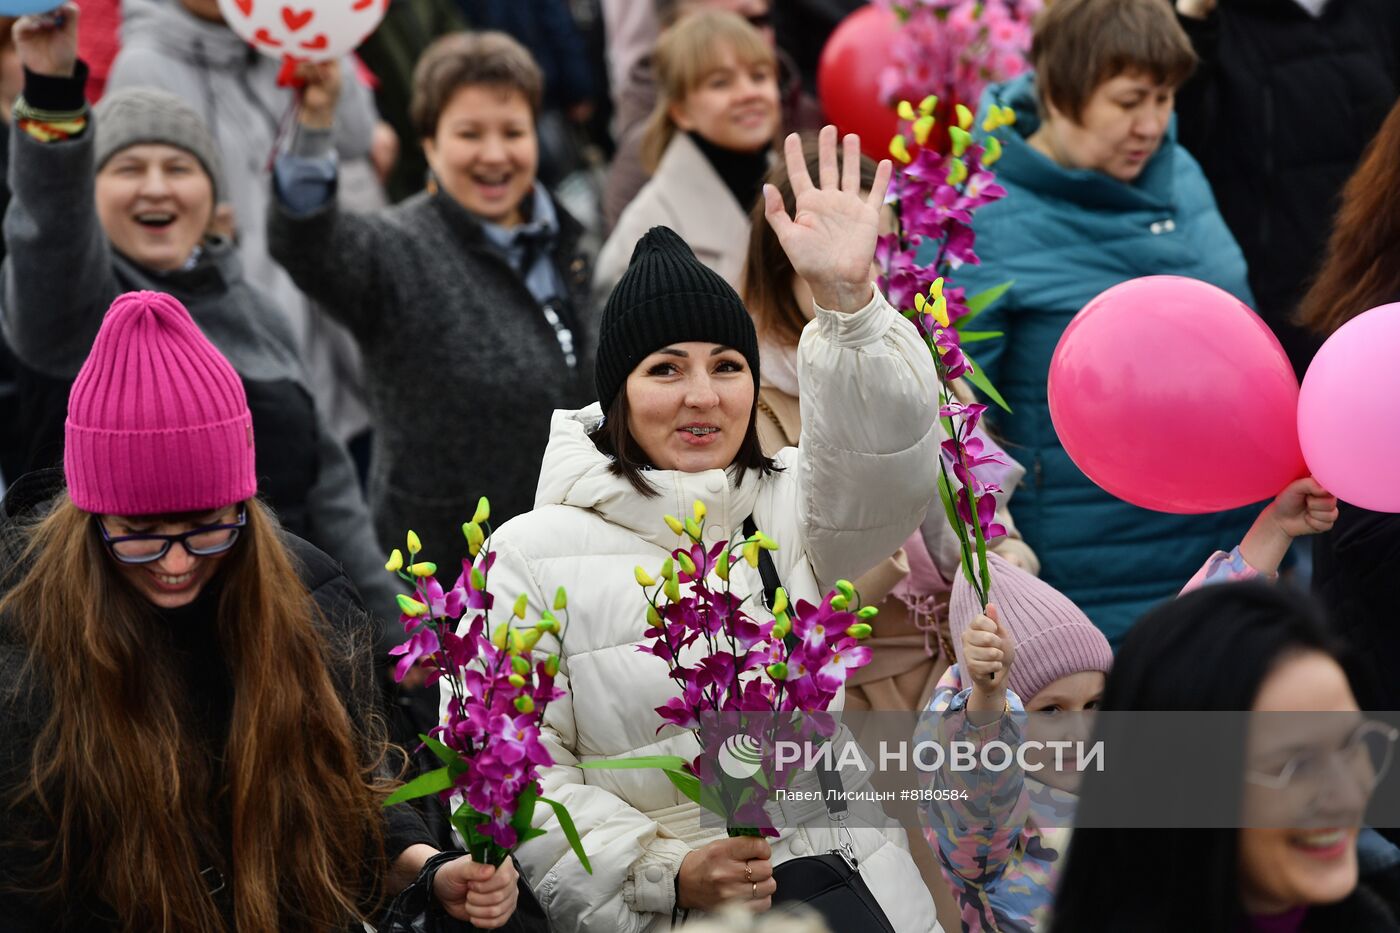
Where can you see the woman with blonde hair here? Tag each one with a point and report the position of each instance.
(707, 144)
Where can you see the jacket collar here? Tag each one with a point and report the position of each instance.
(468, 228)
(692, 187)
(1028, 168)
(183, 34)
(576, 473)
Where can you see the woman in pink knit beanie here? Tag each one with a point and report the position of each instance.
(188, 741)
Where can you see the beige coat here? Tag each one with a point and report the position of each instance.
(687, 195)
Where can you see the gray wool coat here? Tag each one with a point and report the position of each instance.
(462, 369)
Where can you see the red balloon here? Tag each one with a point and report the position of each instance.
(1172, 394)
(848, 78)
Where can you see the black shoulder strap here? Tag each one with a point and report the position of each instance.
(830, 780)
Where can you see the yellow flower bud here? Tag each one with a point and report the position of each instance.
(782, 625)
(845, 588)
(475, 537)
(499, 636)
(867, 613)
(410, 606)
(561, 599)
(423, 569)
(692, 529)
(674, 524)
(551, 665)
(516, 642)
(839, 603)
(919, 302)
(1008, 116)
(643, 578)
(899, 148)
(673, 589)
(905, 110)
(520, 665)
(722, 565)
(957, 172)
(521, 602)
(935, 290)
(991, 124)
(767, 543)
(548, 623)
(777, 671)
(395, 562)
(960, 140)
(687, 564)
(516, 681)
(524, 704)
(699, 510)
(993, 151)
(478, 579)
(483, 511)
(859, 630)
(964, 116)
(780, 601)
(414, 545)
(751, 553)
(922, 127)
(668, 569)
(530, 638)
(939, 310)
(653, 617)
(927, 104)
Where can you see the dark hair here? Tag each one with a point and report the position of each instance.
(768, 273)
(466, 59)
(1206, 651)
(1079, 44)
(1362, 269)
(630, 462)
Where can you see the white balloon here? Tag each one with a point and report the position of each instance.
(303, 30)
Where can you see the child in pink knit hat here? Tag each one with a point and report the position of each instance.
(1032, 650)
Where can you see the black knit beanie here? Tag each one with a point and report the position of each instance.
(667, 296)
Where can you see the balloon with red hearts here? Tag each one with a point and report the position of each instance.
(303, 30)
(848, 78)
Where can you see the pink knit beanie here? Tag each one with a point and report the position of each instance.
(1054, 638)
(157, 418)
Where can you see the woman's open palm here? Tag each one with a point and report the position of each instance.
(830, 239)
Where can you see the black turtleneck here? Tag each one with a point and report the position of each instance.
(742, 172)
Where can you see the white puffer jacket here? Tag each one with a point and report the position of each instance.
(860, 484)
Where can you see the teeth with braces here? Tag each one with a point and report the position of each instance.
(700, 432)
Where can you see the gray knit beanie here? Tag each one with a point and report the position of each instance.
(667, 296)
(133, 116)
(1053, 636)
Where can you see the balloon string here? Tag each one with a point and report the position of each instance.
(283, 127)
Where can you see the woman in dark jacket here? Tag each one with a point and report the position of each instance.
(464, 299)
(1287, 95)
(187, 736)
(1354, 566)
(123, 199)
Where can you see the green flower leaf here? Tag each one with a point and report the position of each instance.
(434, 782)
(566, 823)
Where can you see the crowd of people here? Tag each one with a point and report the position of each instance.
(598, 260)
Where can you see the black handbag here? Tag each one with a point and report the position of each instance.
(830, 883)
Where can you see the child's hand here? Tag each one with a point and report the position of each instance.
(1305, 508)
(989, 652)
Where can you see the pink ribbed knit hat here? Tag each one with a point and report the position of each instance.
(1054, 638)
(157, 419)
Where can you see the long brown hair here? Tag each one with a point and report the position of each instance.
(768, 273)
(116, 775)
(1362, 268)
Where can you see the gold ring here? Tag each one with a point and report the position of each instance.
(754, 896)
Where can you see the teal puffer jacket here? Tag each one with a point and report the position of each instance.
(1063, 236)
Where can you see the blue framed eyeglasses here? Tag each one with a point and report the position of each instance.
(204, 541)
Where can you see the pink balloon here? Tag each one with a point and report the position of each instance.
(1172, 394)
(1349, 411)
